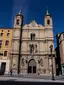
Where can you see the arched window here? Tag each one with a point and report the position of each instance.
(32, 36)
(17, 22)
(48, 21)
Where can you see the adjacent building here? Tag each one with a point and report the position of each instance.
(60, 53)
(5, 49)
(30, 53)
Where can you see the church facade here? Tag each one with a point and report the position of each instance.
(30, 51)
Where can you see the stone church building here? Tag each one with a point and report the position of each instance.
(30, 53)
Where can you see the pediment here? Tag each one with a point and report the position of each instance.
(33, 23)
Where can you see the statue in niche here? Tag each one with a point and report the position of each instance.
(33, 48)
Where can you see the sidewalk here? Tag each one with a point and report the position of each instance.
(20, 79)
(34, 77)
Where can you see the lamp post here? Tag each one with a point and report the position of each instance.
(51, 48)
(11, 62)
(20, 44)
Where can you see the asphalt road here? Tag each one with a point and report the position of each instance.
(28, 83)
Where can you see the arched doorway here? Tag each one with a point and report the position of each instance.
(32, 66)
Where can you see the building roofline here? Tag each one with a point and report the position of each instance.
(59, 34)
(5, 28)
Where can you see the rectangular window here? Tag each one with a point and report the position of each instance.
(6, 43)
(2, 30)
(8, 30)
(0, 43)
(8, 34)
(0, 46)
(1, 54)
(1, 34)
(5, 53)
(32, 36)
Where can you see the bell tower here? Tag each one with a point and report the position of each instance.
(18, 20)
(48, 20)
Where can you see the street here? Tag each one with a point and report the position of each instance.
(28, 83)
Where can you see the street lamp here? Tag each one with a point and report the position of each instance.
(51, 48)
(11, 63)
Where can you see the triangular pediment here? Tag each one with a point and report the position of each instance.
(33, 23)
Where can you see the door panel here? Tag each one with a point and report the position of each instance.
(3, 66)
(32, 66)
(34, 69)
(29, 69)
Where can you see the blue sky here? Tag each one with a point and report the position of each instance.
(32, 10)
